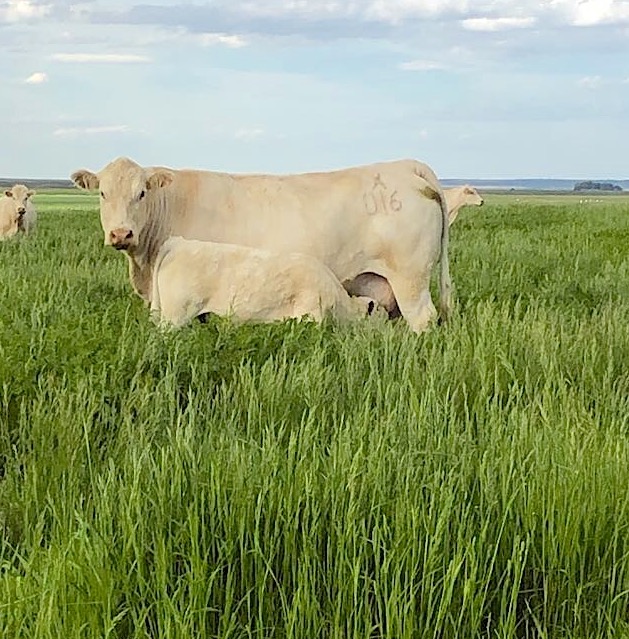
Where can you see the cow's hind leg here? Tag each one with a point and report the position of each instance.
(414, 301)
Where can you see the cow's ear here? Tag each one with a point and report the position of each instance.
(159, 179)
(30, 193)
(9, 193)
(85, 180)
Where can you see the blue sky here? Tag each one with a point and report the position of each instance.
(483, 89)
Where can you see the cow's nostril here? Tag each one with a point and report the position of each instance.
(120, 235)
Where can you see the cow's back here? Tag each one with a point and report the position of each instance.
(340, 217)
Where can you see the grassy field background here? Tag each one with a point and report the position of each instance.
(297, 480)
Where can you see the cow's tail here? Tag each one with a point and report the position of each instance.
(445, 282)
(434, 191)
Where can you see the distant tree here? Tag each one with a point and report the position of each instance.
(589, 185)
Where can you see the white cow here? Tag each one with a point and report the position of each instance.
(377, 287)
(17, 213)
(194, 277)
(459, 196)
(387, 218)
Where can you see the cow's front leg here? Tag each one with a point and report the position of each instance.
(414, 301)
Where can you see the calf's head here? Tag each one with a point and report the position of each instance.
(126, 191)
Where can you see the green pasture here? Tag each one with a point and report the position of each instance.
(320, 481)
(567, 198)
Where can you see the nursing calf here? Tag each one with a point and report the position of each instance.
(193, 277)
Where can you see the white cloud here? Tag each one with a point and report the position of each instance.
(37, 78)
(586, 13)
(79, 10)
(90, 130)
(481, 13)
(231, 22)
(248, 134)
(421, 65)
(22, 10)
(396, 11)
(274, 8)
(590, 82)
(497, 24)
(231, 41)
(100, 57)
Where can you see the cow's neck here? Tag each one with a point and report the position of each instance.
(454, 202)
(142, 260)
(140, 274)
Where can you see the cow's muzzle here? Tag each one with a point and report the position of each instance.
(121, 239)
(21, 212)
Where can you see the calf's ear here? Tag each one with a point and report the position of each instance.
(85, 179)
(30, 193)
(159, 179)
(9, 193)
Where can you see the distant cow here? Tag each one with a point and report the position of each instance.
(388, 218)
(17, 213)
(460, 196)
(193, 277)
(377, 287)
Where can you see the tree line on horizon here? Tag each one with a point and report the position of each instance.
(590, 185)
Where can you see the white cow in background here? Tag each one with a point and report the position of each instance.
(193, 277)
(17, 212)
(388, 218)
(460, 196)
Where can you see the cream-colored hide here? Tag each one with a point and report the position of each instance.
(193, 277)
(17, 213)
(387, 218)
(376, 286)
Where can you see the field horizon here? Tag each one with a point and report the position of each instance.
(499, 185)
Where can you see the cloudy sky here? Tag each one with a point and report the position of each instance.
(482, 89)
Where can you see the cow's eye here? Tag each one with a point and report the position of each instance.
(142, 194)
(102, 195)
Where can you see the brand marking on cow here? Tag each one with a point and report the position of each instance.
(379, 200)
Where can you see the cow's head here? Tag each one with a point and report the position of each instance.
(126, 191)
(20, 196)
(472, 196)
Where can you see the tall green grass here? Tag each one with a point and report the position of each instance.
(302, 480)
